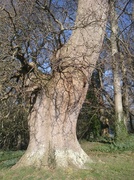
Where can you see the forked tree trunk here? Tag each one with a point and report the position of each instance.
(52, 122)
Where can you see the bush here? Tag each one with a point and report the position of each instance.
(112, 146)
(14, 133)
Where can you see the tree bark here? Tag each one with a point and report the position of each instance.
(52, 121)
(119, 114)
(125, 98)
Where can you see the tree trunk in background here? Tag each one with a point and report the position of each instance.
(119, 114)
(125, 95)
(53, 142)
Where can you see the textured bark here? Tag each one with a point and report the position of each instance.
(52, 122)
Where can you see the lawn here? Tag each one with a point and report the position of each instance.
(109, 164)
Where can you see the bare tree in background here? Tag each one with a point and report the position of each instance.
(121, 56)
(57, 91)
(116, 72)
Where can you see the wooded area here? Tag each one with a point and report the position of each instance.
(66, 69)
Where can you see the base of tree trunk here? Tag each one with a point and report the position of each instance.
(56, 159)
(121, 132)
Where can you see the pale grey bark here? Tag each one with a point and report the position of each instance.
(120, 122)
(52, 122)
(115, 62)
(125, 95)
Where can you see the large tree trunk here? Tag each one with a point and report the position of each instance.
(52, 122)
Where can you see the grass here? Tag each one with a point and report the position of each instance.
(109, 164)
(9, 158)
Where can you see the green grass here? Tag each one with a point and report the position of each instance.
(9, 158)
(112, 146)
(108, 165)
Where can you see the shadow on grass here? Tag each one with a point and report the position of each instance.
(9, 158)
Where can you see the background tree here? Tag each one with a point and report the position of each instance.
(13, 126)
(116, 72)
(119, 44)
(88, 125)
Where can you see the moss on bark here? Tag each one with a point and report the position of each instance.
(121, 133)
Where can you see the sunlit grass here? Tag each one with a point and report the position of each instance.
(116, 165)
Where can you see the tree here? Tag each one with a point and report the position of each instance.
(120, 55)
(88, 124)
(116, 72)
(58, 95)
(13, 125)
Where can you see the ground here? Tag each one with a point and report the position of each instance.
(110, 164)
